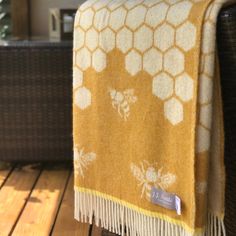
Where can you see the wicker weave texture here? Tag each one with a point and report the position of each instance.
(35, 101)
(226, 37)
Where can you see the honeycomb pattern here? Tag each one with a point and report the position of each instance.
(206, 78)
(149, 41)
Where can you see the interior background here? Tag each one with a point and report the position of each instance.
(39, 14)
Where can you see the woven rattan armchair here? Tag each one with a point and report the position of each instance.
(226, 37)
(35, 101)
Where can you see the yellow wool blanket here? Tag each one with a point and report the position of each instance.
(147, 117)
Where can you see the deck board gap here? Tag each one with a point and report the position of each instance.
(43, 203)
(8, 174)
(28, 197)
(59, 206)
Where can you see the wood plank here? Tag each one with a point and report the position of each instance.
(66, 224)
(40, 211)
(20, 19)
(5, 169)
(14, 194)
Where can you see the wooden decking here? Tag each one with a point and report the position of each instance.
(38, 199)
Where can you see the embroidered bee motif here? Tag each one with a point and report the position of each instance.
(82, 161)
(121, 101)
(151, 177)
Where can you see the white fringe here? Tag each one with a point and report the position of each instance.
(125, 221)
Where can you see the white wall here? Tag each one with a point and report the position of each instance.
(39, 13)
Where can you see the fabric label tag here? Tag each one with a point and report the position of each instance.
(167, 200)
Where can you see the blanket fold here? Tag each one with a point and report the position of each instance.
(147, 117)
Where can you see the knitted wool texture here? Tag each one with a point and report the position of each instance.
(147, 114)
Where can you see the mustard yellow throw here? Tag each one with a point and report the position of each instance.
(147, 117)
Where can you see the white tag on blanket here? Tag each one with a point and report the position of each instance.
(166, 200)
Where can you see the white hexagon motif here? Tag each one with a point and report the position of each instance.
(100, 4)
(79, 38)
(117, 18)
(164, 37)
(179, 12)
(150, 3)
(143, 38)
(174, 61)
(86, 5)
(152, 18)
(206, 115)
(83, 98)
(86, 19)
(184, 87)
(136, 17)
(101, 19)
(172, 2)
(173, 110)
(91, 39)
(107, 40)
(83, 58)
(124, 39)
(209, 61)
(205, 89)
(114, 4)
(208, 30)
(132, 3)
(162, 86)
(203, 139)
(152, 61)
(99, 60)
(133, 62)
(77, 78)
(77, 18)
(214, 11)
(186, 36)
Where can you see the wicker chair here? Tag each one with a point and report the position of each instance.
(35, 101)
(226, 37)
